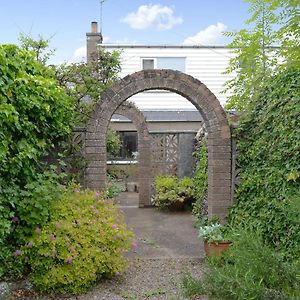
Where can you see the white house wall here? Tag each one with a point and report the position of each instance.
(204, 63)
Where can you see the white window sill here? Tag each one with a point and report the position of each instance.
(122, 162)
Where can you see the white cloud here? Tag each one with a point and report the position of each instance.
(79, 55)
(157, 16)
(211, 35)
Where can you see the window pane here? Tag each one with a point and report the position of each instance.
(148, 64)
(173, 63)
(128, 145)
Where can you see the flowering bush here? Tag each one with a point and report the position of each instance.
(84, 241)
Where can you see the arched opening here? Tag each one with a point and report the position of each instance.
(130, 111)
(219, 136)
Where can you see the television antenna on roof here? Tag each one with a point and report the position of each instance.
(101, 18)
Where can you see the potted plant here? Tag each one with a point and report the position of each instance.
(172, 193)
(166, 196)
(214, 236)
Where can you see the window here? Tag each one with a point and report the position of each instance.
(173, 63)
(148, 64)
(129, 145)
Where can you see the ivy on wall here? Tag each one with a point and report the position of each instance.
(268, 198)
(200, 181)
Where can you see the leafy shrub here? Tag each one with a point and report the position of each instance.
(28, 209)
(165, 191)
(84, 241)
(268, 197)
(34, 114)
(33, 209)
(170, 189)
(123, 172)
(250, 269)
(200, 181)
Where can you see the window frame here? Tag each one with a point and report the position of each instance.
(121, 156)
(149, 58)
(154, 58)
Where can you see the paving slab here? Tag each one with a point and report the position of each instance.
(160, 234)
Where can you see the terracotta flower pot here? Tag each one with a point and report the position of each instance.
(215, 249)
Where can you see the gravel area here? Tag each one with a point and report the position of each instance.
(145, 279)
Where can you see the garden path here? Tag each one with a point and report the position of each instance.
(160, 234)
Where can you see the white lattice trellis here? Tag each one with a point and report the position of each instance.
(164, 154)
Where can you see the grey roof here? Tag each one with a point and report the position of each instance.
(164, 116)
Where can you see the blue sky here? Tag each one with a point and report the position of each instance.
(124, 21)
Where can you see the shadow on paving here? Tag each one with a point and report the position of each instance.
(160, 234)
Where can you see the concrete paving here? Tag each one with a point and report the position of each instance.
(160, 234)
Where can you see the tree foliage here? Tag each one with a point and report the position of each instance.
(85, 82)
(39, 46)
(113, 142)
(271, 41)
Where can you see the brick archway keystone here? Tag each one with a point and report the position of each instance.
(219, 136)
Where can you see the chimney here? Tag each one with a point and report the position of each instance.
(93, 39)
(94, 27)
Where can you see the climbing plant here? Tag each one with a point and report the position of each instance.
(268, 198)
(200, 181)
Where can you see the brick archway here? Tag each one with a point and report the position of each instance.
(219, 136)
(130, 111)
